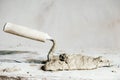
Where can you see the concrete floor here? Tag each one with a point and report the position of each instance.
(26, 65)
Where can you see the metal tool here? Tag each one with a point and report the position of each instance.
(63, 61)
(31, 34)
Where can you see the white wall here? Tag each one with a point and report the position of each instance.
(75, 24)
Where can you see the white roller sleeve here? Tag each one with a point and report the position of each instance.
(26, 32)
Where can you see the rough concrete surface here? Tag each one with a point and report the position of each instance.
(27, 66)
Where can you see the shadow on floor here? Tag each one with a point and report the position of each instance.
(10, 52)
(7, 52)
(36, 61)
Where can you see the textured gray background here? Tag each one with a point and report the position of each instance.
(75, 24)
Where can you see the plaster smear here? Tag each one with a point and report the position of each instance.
(75, 62)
